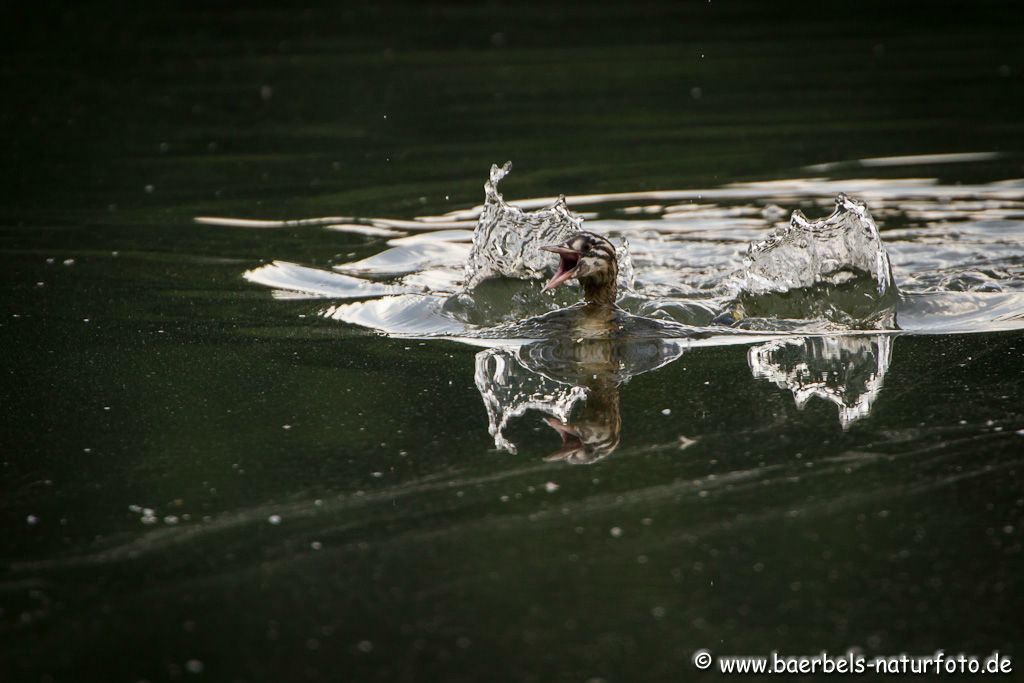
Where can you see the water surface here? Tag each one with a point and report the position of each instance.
(203, 479)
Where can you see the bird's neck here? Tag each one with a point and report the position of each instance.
(599, 293)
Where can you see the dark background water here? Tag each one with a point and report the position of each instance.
(148, 373)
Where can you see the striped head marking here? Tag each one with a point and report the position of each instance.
(587, 257)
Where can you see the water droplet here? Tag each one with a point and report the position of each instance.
(274, 519)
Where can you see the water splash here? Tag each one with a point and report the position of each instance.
(955, 251)
(508, 390)
(835, 270)
(832, 250)
(507, 241)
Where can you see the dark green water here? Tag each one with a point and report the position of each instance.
(328, 503)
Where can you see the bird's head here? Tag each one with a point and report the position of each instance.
(589, 258)
(588, 440)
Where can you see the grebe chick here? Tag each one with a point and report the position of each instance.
(589, 258)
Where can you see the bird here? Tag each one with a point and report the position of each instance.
(596, 365)
(590, 259)
(594, 434)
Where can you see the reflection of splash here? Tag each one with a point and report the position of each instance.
(554, 376)
(509, 390)
(846, 371)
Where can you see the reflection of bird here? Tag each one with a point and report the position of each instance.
(554, 374)
(594, 365)
(589, 258)
(594, 434)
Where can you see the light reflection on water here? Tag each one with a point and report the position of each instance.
(554, 377)
(846, 371)
(956, 253)
(684, 249)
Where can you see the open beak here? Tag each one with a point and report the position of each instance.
(568, 263)
(571, 441)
